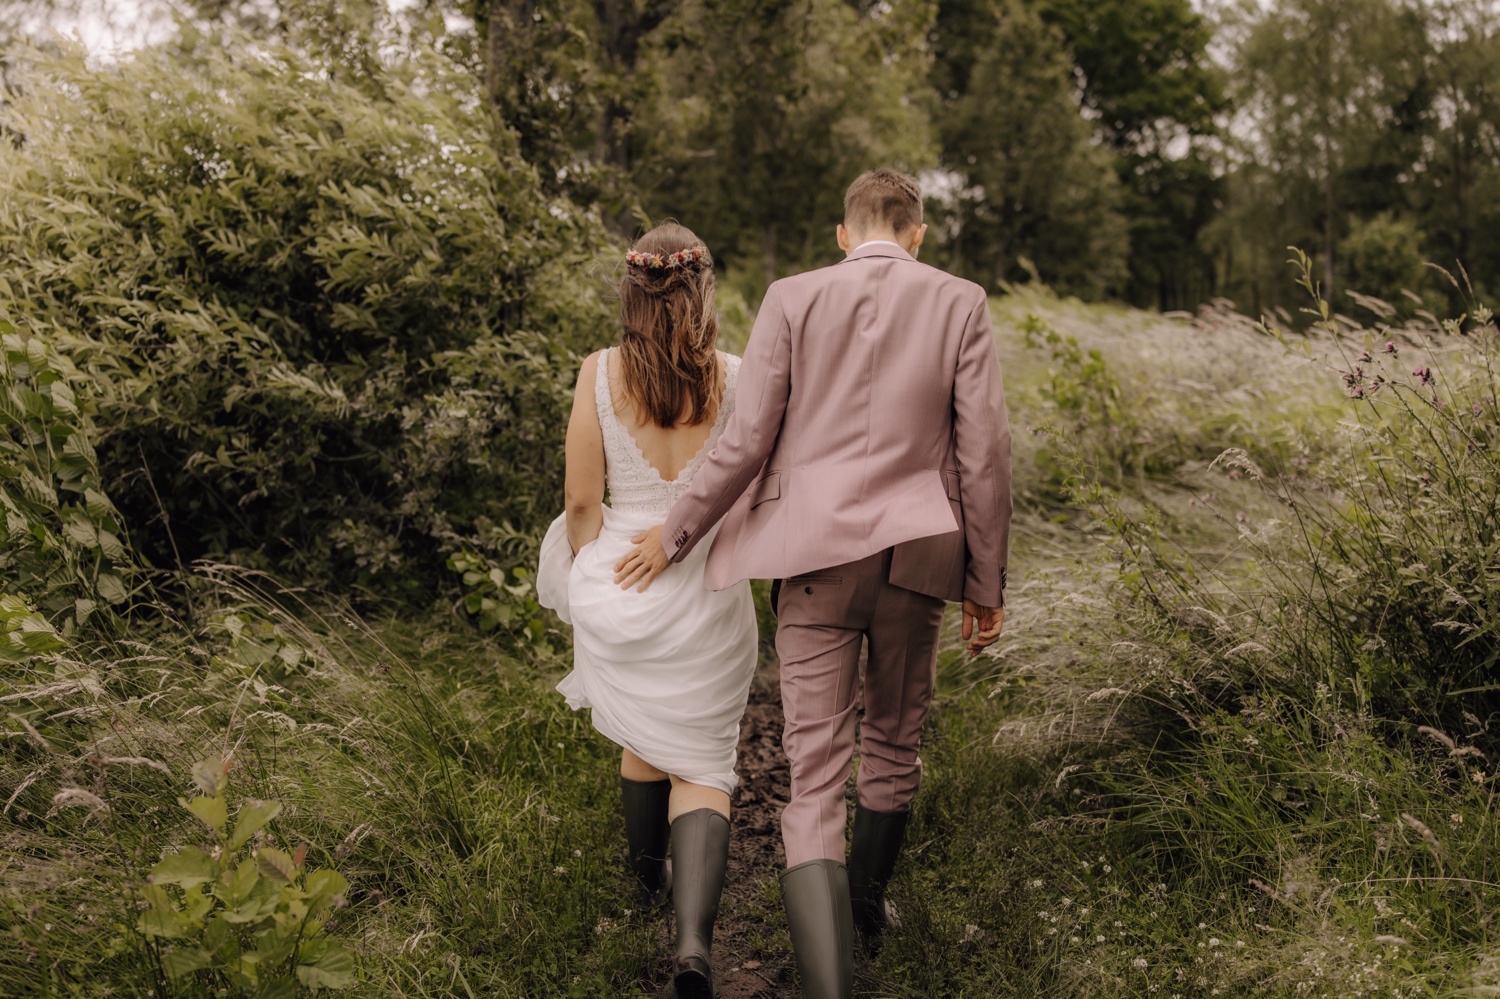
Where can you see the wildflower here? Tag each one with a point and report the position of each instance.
(1239, 943)
(1456, 819)
(1073, 940)
(559, 870)
(1365, 358)
(1139, 962)
(1213, 941)
(1035, 884)
(1478, 409)
(577, 853)
(1108, 869)
(1390, 348)
(1422, 375)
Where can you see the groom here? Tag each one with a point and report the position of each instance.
(866, 468)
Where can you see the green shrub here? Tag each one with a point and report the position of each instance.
(1382, 256)
(249, 916)
(61, 541)
(337, 320)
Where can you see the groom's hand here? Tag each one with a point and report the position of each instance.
(644, 562)
(987, 620)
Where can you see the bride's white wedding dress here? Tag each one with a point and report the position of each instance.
(666, 672)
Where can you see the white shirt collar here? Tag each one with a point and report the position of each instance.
(887, 242)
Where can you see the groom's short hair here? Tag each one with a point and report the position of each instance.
(882, 197)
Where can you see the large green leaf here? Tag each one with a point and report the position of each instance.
(211, 811)
(280, 988)
(188, 867)
(323, 886)
(334, 970)
(253, 817)
(235, 886)
(181, 961)
(275, 864)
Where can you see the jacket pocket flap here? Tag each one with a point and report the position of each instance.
(951, 484)
(768, 488)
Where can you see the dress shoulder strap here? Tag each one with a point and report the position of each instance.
(603, 400)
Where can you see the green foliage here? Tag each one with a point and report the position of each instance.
(337, 319)
(497, 599)
(248, 918)
(766, 111)
(1156, 97)
(1026, 188)
(61, 539)
(1383, 257)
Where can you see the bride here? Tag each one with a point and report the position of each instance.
(664, 664)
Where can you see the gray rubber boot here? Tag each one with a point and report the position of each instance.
(816, 896)
(646, 831)
(872, 858)
(700, 859)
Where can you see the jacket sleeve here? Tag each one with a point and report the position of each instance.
(760, 403)
(981, 429)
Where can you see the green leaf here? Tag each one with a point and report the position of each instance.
(281, 988)
(111, 588)
(158, 923)
(189, 867)
(235, 886)
(181, 961)
(252, 817)
(212, 812)
(325, 885)
(210, 775)
(275, 864)
(334, 970)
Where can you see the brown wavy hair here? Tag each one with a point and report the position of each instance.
(669, 345)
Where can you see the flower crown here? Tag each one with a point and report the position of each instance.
(657, 262)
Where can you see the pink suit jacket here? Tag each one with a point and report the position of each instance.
(870, 415)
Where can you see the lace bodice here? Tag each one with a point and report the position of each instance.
(634, 485)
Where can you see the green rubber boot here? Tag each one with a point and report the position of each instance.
(816, 896)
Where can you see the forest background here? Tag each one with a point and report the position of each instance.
(292, 300)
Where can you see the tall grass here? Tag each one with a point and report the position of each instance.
(473, 815)
(1276, 735)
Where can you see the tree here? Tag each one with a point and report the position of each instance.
(1459, 193)
(1155, 97)
(1024, 181)
(763, 111)
(1338, 97)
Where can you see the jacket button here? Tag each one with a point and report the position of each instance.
(807, 589)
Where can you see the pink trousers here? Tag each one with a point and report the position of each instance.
(823, 619)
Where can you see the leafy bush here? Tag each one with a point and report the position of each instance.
(1383, 257)
(61, 540)
(334, 315)
(251, 918)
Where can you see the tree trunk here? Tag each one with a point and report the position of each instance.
(508, 31)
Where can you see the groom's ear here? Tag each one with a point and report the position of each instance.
(844, 242)
(916, 239)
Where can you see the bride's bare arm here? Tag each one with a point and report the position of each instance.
(584, 481)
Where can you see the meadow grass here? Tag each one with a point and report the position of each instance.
(1125, 797)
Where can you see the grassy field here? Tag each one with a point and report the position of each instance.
(1132, 795)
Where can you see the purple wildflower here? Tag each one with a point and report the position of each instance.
(1423, 375)
(1390, 348)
